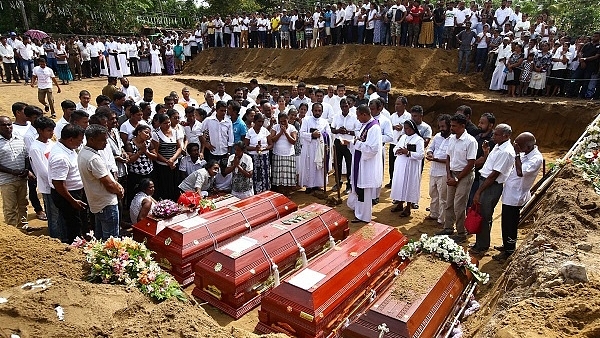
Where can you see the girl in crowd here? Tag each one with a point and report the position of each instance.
(240, 164)
(514, 66)
(284, 136)
(175, 125)
(169, 60)
(258, 142)
(141, 156)
(62, 67)
(135, 118)
(142, 202)
(167, 150)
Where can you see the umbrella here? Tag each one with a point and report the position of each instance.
(36, 34)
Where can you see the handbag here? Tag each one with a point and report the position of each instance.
(510, 76)
(473, 220)
(536, 76)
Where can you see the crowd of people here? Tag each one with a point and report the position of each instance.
(111, 163)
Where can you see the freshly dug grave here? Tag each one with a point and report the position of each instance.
(90, 310)
(533, 298)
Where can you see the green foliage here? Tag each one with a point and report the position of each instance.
(576, 17)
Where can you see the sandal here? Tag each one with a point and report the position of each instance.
(41, 216)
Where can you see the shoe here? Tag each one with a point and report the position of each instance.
(397, 208)
(415, 206)
(499, 248)
(389, 185)
(46, 108)
(459, 239)
(375, 201)
(395, 202)
(445, 232)
(477, 251)
(41, 216)
(356, 220)
(308, 190)
(501, 257)
(348, 188)
(336, 187)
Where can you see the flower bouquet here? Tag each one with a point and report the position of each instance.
(206, 205)
(127, 262)
(444, 248)
(166, 209)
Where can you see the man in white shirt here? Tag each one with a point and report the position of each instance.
(131, 92)
(65, 181)
(220, 134)
(95, 57)
(301, 98)
(460, 161)
(84, 103)
(498, 165)
(220, 95)
(196, 41)
(218, 23)
(528, 162)
(398, 118)
(344, 127)
(7, 54)
(25, 52)
(209, 105)
(132, 56)
(502, 15)
(44, 76)
(436, 154)
(101, 189)
(186, 100)
(349, 11)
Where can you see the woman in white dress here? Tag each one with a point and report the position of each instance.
(410, 151)
(155, 68)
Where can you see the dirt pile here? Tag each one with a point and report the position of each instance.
(90, 310)
(409, 68)
(534, 297)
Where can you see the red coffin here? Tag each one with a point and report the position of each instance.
(180, 245)
(147, 228)
(315, 301)
(233, 277)
(420, 311)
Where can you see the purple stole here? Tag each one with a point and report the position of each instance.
(356, 159)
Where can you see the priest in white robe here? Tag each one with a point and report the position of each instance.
(123, 50)
(315, 137)
(367, 175)
(406, 184)
(114, 66)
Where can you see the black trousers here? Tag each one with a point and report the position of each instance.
(510, 220)
(33, 197)
(133, 66)
(86, 68)
(342, 153)
(392, 157)
(74, 219)
(10, 70)
(95, 63)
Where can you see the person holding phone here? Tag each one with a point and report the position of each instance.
(409, 151)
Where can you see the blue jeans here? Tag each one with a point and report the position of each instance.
(481, 58)
(56, 223)
(27, 66)
(438, 35)
(464, 55)
(361, 32)
(107, 222)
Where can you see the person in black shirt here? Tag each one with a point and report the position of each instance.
(487, 122)
(588, 64)
(471, 128)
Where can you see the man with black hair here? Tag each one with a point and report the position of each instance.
(436, 154)
(111, 87)
(486, 125)
(301, 98)
(68, 107)
(472, 129)
(65, 180)
(117, 103)
(220, 134)
(102, 100)
(84, 102)
(101, 189)
(460, 160)
(44, 76)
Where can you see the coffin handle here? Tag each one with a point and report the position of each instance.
(275, 275)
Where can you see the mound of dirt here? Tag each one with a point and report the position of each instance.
(90, 310)
(533, 298)
(410, 68)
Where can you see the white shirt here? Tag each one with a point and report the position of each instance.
(282, 147)
(461, 150)
(516, 189)
(349, 12)
(484, 42)
(438, 147)
(59, 126)
(297, 101)
(501, 159)
(44, 77)
(461, 16)
(502, 14)
(399, 120)
(38, 155)
(450, 15)
(90, 109)
(131, 93)
(255, 137)
(7, 53)
(350, 122)
(127, 128)
(559, 55)
(226, 97)
(520, 27)
(193, 132)
(220, 134)
(25, 50)
(62, 166)
(386, 128)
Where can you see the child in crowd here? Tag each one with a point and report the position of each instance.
(192, 161)
(526, 74)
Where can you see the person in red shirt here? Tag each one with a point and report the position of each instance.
(414, 26)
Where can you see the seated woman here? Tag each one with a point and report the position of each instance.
(142, 202)
(240, 164)
(202, 180)
(410, 151)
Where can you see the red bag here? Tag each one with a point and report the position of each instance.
(473, 220)
(189, 199)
